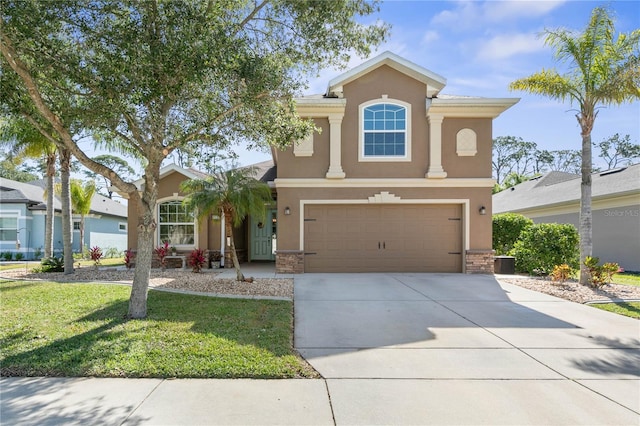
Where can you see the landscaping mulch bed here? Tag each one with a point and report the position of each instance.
(203, 282)
(574, 291)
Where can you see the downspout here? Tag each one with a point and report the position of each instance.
(222, 239)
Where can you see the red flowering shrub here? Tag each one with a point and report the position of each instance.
(128, 258)
(197, 259)
(162, 252)
(96, 254)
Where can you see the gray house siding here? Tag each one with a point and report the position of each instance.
(616, 234)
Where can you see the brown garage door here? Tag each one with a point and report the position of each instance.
(383, 238)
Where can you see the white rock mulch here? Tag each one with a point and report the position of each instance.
(203, 282)
(574, 291)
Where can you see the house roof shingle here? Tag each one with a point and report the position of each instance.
(33, 194)
(557, 188)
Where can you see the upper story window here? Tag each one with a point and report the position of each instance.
(8, 228)
(176, 224)
(385, 131)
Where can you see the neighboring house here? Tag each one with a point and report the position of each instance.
(398, 179)
(555, 198)
(23, 214)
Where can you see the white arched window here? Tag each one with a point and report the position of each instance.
(385, 133)
(176, 224)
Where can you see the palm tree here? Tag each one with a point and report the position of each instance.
(81, 196)
(602, 71)
(235, 193)
(25, 140)
(65, 202)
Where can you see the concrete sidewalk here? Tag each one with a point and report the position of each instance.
(393, 349)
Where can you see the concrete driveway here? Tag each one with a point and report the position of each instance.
(464, 349)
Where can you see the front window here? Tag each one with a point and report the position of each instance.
(8, 228)
(384, 130)
(385, 133)
(176, 224)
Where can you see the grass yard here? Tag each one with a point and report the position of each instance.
(111, 261)
(629, 309)
(52, 329)
(627, 278)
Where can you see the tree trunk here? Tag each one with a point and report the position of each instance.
(228, 222)
(48, 227)
(65, 201)
(145, 206)
(586, 230)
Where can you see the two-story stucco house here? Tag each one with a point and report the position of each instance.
(397, 179)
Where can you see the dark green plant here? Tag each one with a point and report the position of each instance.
(19, 256)
(52, 264)
(38, 253)
(7, 255)
(507, 228)
(545, 245)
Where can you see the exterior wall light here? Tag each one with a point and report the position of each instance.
(287, 211)
(482, 210)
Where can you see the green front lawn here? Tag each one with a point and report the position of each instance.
(629, 309)
(627, 278)
(52, 329)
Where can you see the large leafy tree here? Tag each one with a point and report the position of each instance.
(617, 150)
(24, 140)
(146, 78)
(115, 163)
(236, 193)
(603, 70)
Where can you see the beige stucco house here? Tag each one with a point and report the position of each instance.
(398, 178)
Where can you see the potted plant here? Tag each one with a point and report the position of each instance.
(215, 260)
(174, 250)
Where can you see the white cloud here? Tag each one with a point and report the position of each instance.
(505, 46)
(474, 14)
(430, 36)
(500, 10)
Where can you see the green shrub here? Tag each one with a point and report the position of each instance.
(545, 245)
(7, 255)
(52, 264)
(19, 256)
(507, 228)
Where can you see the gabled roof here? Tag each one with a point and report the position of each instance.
(557, 188)
(433, 81)
(32, 194)
(12, 191)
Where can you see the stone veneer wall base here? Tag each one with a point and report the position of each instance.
(479, 261)
(289, 262)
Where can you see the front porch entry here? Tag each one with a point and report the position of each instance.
(263, 236)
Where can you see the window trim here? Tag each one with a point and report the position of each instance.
(156, 236)
(73, 225)
(122, 226)
(12, 215)
(407, 142)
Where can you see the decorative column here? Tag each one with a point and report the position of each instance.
(435, 147)
(335, 147)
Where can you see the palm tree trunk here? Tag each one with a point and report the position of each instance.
(48, 227)
(586, 228)
(65, 200)
(234, 256)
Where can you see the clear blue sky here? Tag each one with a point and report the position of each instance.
(481, 46)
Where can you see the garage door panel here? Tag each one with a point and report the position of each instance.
(377, 238)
